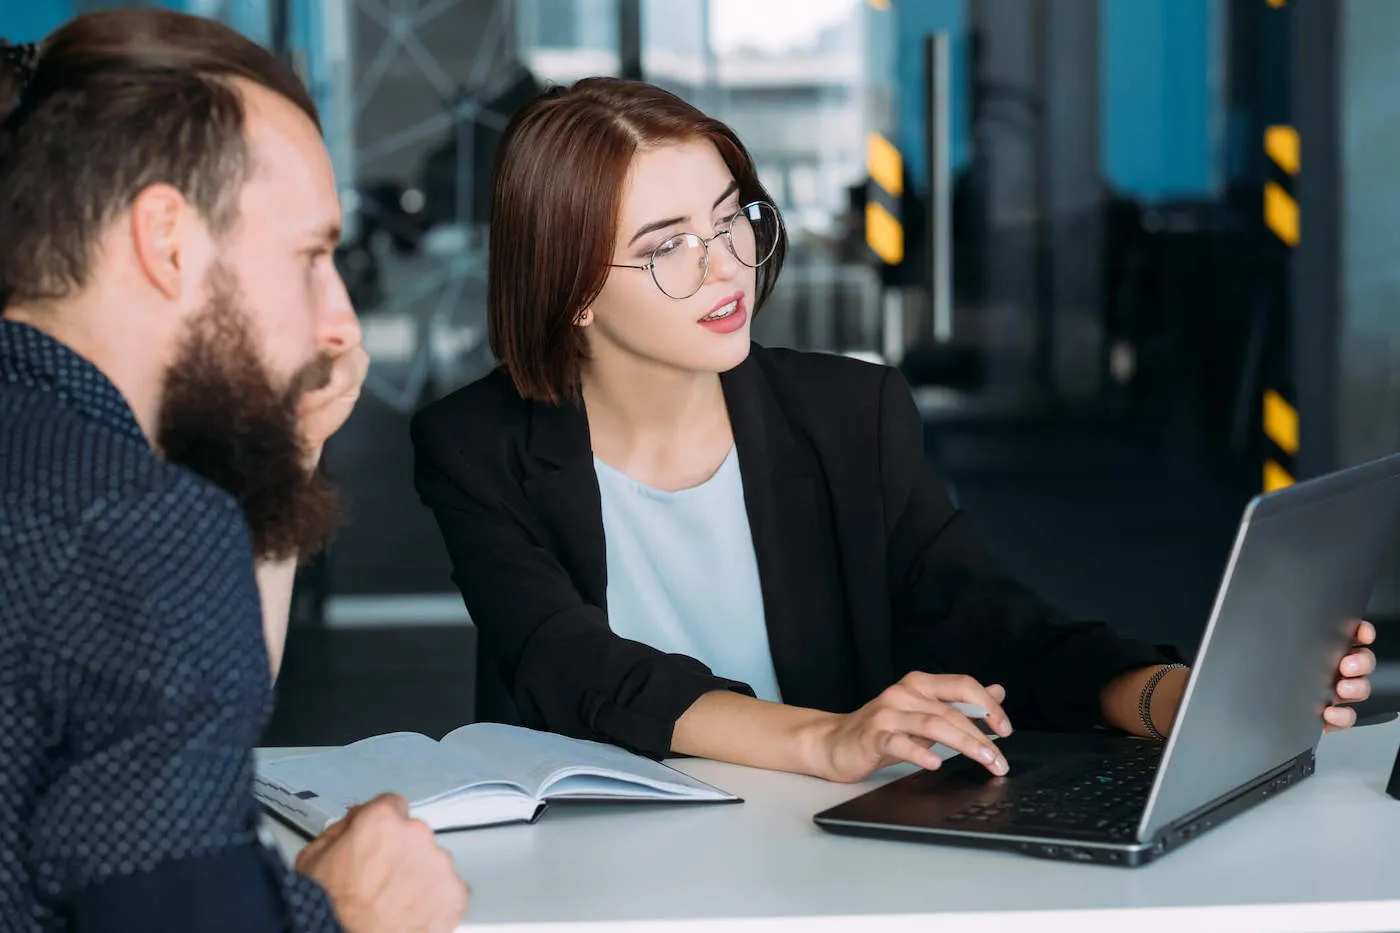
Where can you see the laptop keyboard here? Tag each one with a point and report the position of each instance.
(1104, 795)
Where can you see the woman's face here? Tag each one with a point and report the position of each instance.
(673, 190)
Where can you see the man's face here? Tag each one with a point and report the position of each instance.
(281, 250)
(228, 418)
(272, 319)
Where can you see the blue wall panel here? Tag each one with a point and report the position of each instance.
(31, 20)
(1157, 97)
(1159, 104)
(916, 20)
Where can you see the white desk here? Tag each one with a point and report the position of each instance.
(1325, 855)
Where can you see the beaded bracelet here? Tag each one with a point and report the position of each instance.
(1145, 699)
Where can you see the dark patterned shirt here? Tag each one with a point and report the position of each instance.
(133, 674)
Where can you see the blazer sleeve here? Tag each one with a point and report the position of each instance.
(567, 671)
(956, 612)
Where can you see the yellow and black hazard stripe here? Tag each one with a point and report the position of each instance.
(884, 196)
(1279, 414)
(884, 225)
(1281, 430)
(1280, 203)
(1281, 216)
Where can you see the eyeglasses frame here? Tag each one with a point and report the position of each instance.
(727, 233)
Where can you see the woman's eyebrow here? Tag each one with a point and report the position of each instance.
(662, 224)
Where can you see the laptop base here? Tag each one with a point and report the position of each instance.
(931, 806)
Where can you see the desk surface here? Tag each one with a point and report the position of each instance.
(1324, 855)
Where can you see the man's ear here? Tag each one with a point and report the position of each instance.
(160, 216)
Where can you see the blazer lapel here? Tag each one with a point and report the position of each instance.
(789, 519)
(565, 495)
(794, 543)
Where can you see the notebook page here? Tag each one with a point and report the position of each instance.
(539, 760)
(580, 785)
(482, 807)
(401, 762)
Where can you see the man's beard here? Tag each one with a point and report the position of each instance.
(223, 418)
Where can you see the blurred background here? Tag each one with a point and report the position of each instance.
(1136, 256)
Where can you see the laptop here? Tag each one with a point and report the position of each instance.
(1303, 565)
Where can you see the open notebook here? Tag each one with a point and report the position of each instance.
(478, 775)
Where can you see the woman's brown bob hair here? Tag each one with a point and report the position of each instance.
(557, 191)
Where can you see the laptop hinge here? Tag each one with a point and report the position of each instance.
(1308, 760)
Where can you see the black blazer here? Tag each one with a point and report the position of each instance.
(867, 569)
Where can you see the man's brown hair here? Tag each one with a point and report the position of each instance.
(112, 103)
(559, 177)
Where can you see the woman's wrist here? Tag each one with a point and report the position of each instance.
(1121, 699)
(1163, 699)
(731, 727)
(813, 743)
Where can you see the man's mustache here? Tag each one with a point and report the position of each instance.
(312, 377)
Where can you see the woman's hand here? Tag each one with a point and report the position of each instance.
(1121, 695)
(1353, 679)
(900, 725)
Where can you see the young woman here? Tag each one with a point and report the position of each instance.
(683, 543)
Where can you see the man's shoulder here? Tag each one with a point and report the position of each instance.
(57, 462)
(162, 579)
(83, 509)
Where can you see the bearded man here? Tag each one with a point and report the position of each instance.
(175, 348)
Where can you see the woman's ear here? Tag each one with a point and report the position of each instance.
(583, 318)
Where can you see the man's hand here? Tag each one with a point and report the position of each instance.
(325, 410)
(384, 871)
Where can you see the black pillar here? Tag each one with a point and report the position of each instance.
(1316, 286)
(629, 38)
(279, 28)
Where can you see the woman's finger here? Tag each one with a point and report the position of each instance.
(1358, 663)
(1342, 717)
(960, 688)
(903, 748)
(1353, 690)
(961, 720)
(932, 727)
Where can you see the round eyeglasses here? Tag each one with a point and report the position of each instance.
(680, 264)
